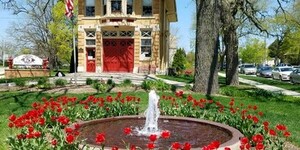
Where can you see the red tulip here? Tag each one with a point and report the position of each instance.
(165, 134)
(70, 138)
(127, 131)
(153, 137)
(150, 145)
(187, 146)
(176, 146)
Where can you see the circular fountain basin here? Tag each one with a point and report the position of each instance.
(197, 132)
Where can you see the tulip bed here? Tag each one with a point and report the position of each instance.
(46, 124)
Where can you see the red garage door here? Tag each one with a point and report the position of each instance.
(118, 55)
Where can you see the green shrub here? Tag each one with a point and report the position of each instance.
(42, 81)
(179, 60)
(46, 86)
(127, 82)
(100, 87)
(20, 82)
(265, 93)
(161, 85)
(89, 81)
(110, 82)
(233, 91)
(60, 82)
(188, 87)
(173, 88)
(148, 84)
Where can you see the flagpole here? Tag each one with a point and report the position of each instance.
(74, 49)
(69, 6)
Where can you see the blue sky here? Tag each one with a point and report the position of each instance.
(185, 9)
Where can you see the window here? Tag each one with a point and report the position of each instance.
(147, 7)
(104, 7)
(116, 6)
(90, 34)
(90, 38)
(129, 7)
(90, 42)
(90, 8)
(146, 45)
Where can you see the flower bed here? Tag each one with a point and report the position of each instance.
(46, 125)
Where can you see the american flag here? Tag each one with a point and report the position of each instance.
(69, 8)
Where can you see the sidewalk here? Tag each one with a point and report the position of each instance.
(176, 83)
(266, 87)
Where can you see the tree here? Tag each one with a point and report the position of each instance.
(190, 60)
(206, 54)
(179, 60)
(291, 47)
(254, 52)
(61, 33)
(8, 48)
(46, 30)
(276, 51)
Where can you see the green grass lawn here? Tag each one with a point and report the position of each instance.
(276, 111)
(277, 83)
(181, 78)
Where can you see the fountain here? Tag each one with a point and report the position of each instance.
(195, 131)
(152, 113)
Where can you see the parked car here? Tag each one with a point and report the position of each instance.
(282, 73)
(295, 67)
(295, 76)
(284, 65)
(265, 71)
(248, 69)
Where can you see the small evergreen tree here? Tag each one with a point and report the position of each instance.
(179, 60)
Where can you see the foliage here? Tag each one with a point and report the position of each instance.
(275, 111)
(89, 81)
(100, 87)
(110, 82)
(160, 85)
(126, 82)
(275, 50)
(42, 80)
(246, 119)
(179, 60)
(254, 52)
(62, 35)
(20, 81)
(173, 88)
(188, 87)
(190, 60)
(43, 83)
(292, 47)
(60, 82)
(148, 85)
(47, 124)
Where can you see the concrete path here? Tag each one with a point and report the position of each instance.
(266, 87)
(176, 83)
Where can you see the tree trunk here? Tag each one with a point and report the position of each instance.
(221, 63)
(206, 54)
(231, 44)
(232, 58)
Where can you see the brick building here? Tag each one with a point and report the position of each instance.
(124, 35)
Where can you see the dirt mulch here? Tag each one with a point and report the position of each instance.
(68, 89)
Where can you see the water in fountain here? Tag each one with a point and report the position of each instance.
(152, 113)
